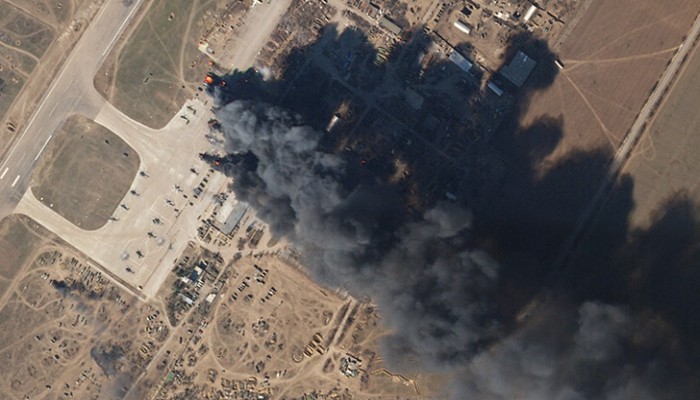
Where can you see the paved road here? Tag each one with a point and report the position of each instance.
(260, 23)
(71, 91)
(629, 143)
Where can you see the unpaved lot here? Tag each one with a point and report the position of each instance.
(17, 243)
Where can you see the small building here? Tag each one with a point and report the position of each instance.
(229, 215)
(463, 27)
(186, 299)
(494, 88)
(374, 11)
(204, 48)
(414, 99)
(210, 298)
(529, 13)
(194, 276)
(519, 69)
(331, 124)
(389, 25)
(463, 64)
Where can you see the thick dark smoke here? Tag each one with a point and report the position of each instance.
(437, 291)
(434, 291)
(601, 352)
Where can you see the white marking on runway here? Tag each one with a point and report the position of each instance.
(15, 181)
(119, 31)
(42, 147)
(18, 141)
(4, 172)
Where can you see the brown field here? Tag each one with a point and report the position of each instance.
(85, 173)
(19, 240)
(24, 32)
(54, 322)
(151, 74)
(35, 36)
(23, 40)
(612, 57)
(666, 161)
(270, 324)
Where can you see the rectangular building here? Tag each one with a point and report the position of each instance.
(462, 27)
(389, 25)
(464, 64)
(519, 69)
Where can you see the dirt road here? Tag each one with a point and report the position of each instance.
(629, 143)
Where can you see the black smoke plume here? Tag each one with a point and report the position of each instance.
(433, 290)
(618, 322)
(600, 351)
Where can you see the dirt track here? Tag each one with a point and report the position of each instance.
(613, 58)
(665, 163)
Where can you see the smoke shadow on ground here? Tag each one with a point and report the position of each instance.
(472, 149)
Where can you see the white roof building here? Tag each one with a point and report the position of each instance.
(464, 64)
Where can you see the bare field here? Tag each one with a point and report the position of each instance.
(17, 243)
(24, 32)
(85, 173)
(268, 329)
(22, 63)
(10, 85)
(152, 73)
(50, 12)
(666, 162)
(612, 58)
(23, 40)
(33, 33)
(55, 343)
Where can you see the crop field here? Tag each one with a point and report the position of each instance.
(152, 73)
(612, 58)
(666, 162)
(85, 173)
